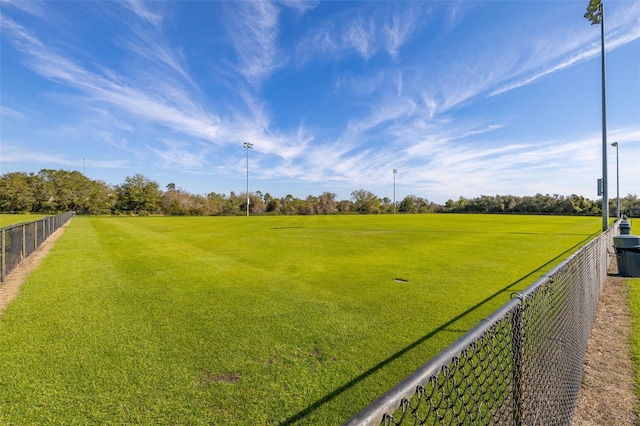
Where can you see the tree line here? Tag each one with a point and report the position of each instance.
(52, 191)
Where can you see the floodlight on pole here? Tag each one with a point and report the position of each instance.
(595, 14)
(394, 190)
(247, 146)
(617, 181)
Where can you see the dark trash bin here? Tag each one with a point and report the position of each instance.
(625, 227)
(627, 255)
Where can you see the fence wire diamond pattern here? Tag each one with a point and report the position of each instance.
(520, 366)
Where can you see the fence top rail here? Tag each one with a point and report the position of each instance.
(18, 225)
(28, 222)
(391, 400)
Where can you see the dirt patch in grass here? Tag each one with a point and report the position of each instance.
(607, 394)
(206, 378)
(10, 288)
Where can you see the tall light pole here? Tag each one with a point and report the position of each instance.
(247, 146)
(595, 14)
(394, 190)
(617, 182)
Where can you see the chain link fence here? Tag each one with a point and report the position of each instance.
(520, 366)
(22, 239)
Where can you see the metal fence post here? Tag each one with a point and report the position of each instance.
(35, 235)
(517, 391)
(4, 257)
(23, 253)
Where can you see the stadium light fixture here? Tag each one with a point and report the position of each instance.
(617, 181)
(247, 146)
(595, 14)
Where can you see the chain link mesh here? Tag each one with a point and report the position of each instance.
(20, 240)
(520, 366)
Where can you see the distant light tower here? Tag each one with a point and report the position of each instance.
(247, 146)
(394, 190)
(617, 182)
(595, 14)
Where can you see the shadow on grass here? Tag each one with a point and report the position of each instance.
(330, 396)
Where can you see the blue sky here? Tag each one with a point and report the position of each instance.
(463, 98)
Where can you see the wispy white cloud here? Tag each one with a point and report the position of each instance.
(149, 44)
(409, 118)
(139, 8)
(7, 112)
(319, 41)
(441, 136)
(359, 36)
(489, 166)
(156, 94)
(458, 9)
(115, 140)
(253, 29)
(302, 6)
(173, 112)
(14, 153)
(398, 28)
(179, 155)
(547, 56)
(365, 36)
(31, 7)
(383, 112)
(394, 108)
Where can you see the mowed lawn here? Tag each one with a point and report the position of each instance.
(634, 301)
(258, 320)
(12, 219)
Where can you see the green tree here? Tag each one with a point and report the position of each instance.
(138, 195)
(272, 205)
(288, 204)
(408, 204)
(53, 191)
(462, 203)
(100, 198)
(450, 205)
(345, 206)
(327, 203)
(232, 207)
(365, 201)
(630, 205)
(172, 201)
(71, 190)
(217, 204)
(310, 206)
(16, 193)
(256, 204)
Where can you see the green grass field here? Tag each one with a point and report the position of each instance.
(259, 320)
(12, 219)
(634, 301)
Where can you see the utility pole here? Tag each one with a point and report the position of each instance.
(247, 146)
